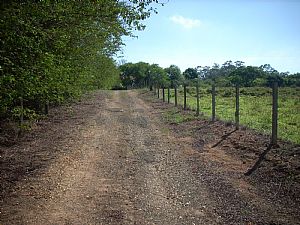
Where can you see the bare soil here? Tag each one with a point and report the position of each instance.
(112, 159)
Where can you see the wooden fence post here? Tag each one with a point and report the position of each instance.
(237, 107)
(163, 93)
(274, 113)
(198, 98)
(184, 96)
(213, 102)
(168, 94)
(175, 90)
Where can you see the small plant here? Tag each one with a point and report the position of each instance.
(26, 113)
(25, 117)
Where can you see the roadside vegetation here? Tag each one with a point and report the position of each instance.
(255, 92)
(255, 107)
(54, 51)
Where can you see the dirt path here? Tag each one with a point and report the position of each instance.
(121, 166)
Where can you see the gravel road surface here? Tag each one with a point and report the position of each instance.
(118, 164)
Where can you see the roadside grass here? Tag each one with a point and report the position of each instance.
(175, 116)
(255, 108)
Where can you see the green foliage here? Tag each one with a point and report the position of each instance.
(176, 117)
(29, 114)
(158, 76)
(134, 74)
(55, 50)
(291, 80)
(141, 73)
(190, 73)
(246, 76)
(174, 75)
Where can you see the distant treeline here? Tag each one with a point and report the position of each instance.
(228, 74)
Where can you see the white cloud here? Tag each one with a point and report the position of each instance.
(186, 22)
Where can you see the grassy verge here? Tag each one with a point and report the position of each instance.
(255, 108)
(176, 116)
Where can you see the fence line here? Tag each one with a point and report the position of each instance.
(237, 107)
(184, 97)
(198, 98)
(213, 102)
(175, 90)
(274, 113)
(274, 130)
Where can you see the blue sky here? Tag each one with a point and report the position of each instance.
(190, 33)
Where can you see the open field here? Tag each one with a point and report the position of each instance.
(255, 108)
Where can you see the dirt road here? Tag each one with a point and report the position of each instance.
(120, 165)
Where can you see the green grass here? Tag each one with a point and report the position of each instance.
(176, 116)
(255, 108)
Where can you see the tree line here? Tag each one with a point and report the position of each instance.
(227, 74)
(52, 51)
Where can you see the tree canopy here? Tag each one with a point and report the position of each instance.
(228, 74)
(139, 74)
(174, 74)
(55, 50)
(231, 73)
(190, 73)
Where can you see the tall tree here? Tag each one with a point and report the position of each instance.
(190, 73)
(203, 71)
(134, 74)
(245, 76)
(227, 67)
(174, 74)
(158, 75)
(53, 50)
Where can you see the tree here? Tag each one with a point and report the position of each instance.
(203, 71)
(274, 77)
(245, 76)
(190, 73)
(54, 50)
(134, 74)
(127, 74)
(227, 68)
(158, 75)
(292, 80)
(214, 72)
(267, 68)
(239, 64)
(271, 75)
(174, 75)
